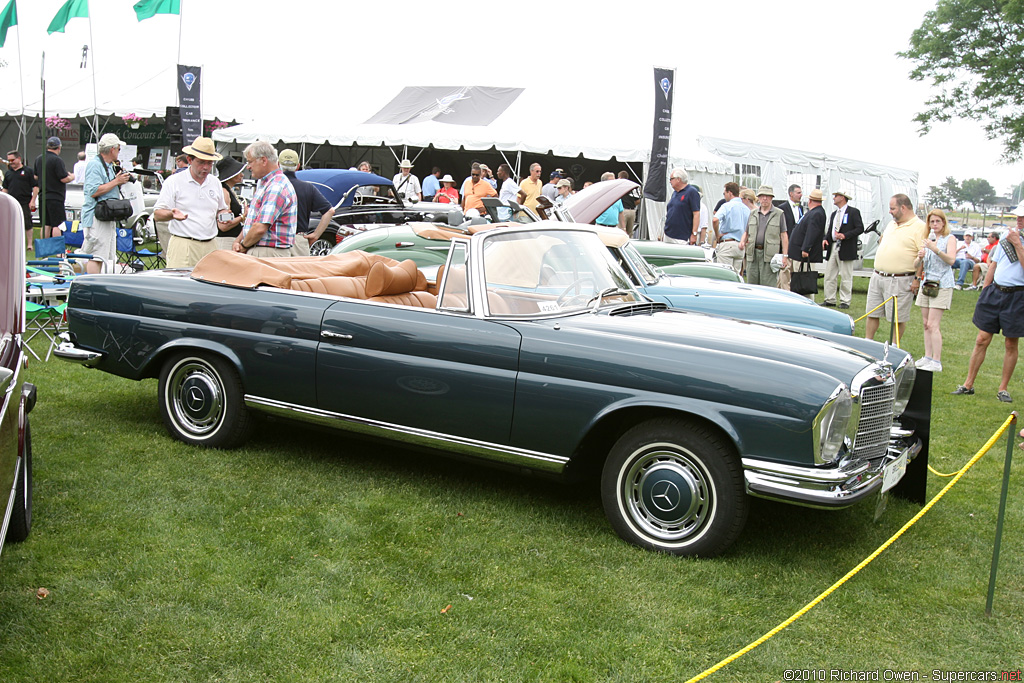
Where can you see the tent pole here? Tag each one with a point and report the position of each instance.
(95, 118)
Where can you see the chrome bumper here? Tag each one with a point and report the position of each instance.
(67, 350)
(837, 487)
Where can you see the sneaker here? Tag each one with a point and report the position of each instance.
(958, 287)
(844, 306)
(964, 391)
(921, 362)
(934, 366)
(830, 304)
(1004, 396)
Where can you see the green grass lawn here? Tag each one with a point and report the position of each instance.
(310, 556)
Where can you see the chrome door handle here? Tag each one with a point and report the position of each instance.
(335, 335)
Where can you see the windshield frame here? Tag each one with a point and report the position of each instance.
(601, 272)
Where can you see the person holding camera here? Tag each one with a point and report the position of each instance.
(935, 267)
(103, 180)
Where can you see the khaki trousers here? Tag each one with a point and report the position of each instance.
(834, 270)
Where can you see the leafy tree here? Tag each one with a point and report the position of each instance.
(945, 196)
(979, 193)
(972, 51)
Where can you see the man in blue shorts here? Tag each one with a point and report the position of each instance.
(1000, 308)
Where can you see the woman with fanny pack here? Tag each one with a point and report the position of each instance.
(935, 268)
(101, 183)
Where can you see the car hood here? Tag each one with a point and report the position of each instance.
(723, 288)
(710, 341)
(589, 203)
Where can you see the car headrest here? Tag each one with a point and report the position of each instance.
(384, 280)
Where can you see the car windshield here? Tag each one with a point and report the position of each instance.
(645, 269)
(547, 272)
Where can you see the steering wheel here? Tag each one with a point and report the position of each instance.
(576, 284)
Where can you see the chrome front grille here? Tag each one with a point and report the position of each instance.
(876, 407)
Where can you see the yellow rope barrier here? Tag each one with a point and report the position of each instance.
(940, 474)
(870, 558)
(895, 316)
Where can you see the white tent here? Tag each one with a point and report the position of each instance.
(871, 185)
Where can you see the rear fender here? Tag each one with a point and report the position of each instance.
(152, 366)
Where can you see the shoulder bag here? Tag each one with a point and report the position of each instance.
(113, 209)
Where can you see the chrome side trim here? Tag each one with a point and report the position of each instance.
(10, 502)
(835, 487)
(518, 457)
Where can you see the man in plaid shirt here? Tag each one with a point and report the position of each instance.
(270, 225)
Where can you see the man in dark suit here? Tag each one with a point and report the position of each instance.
(806, 240)
(792, 208)
(844, 226)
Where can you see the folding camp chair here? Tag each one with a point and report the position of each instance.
(52, 256)
(44, 314)
(128, 260)
(150, 257)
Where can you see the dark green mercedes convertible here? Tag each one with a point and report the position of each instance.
(530, 350)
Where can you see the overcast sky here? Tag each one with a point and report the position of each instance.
(819, 76)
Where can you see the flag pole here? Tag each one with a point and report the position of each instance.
(95, 115)
(180, 13)
(22, 134)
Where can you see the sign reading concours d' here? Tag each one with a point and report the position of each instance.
(658, 169)
(189, 92)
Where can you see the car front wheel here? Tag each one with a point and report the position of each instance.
(674, 486)
(201, 401)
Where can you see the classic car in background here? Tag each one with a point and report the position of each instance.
(363, 201)
(590, 202)
(428, 244)
(18, 396)
(143, 193)
(534, 352)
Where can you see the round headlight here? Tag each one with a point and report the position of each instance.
(832, 423)
(905, 377)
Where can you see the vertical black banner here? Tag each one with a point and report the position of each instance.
(657, 171)
(189, 90)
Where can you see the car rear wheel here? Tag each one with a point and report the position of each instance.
(201, 401)
(21, 516)
(674, 486)
(321, 247)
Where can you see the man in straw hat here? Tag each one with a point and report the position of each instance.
(844, 227)
(766, 235)
(406, 184)
(805, 242)
(189, 202)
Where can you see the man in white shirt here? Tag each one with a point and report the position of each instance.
(509, 187)
(190, 202)
(967, 255)
(79, 169)
(406, 184)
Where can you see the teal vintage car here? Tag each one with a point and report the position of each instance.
(427, 244)
(590, 202)
(534, 352)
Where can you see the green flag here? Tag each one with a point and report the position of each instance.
(68, 11)
(8, 18)
(144, 9)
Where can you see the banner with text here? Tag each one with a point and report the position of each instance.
(657, 171)
(189, 92)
